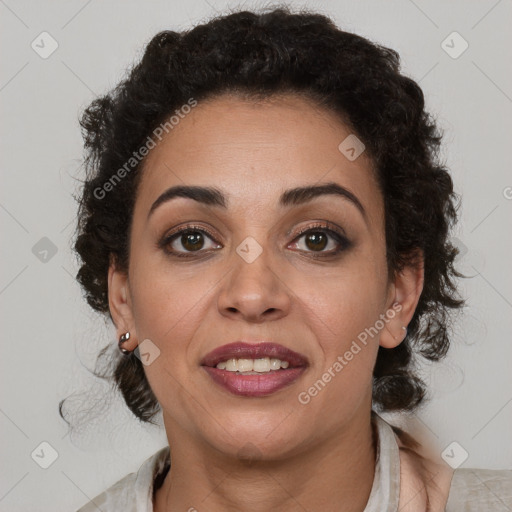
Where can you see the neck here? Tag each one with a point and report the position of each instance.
(334, 475)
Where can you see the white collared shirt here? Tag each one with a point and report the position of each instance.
(472, 490)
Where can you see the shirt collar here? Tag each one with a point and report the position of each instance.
(384, 494)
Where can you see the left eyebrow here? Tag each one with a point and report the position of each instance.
(301, 195)
(212, 196)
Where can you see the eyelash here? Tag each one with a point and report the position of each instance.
(327, 228)
(332, 231)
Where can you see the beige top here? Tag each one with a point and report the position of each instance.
(471, 490)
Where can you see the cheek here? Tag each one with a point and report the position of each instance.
(343, 320)
(341, 380)
(167, 301)
(168, 310)
(346, 300)
(344, 314)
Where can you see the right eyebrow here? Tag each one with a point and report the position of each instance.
(215, 197)
(206, 195)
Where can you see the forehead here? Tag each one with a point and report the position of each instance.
(256, 150)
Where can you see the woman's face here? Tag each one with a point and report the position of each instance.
(244, 273)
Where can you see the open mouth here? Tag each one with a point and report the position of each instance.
(254, 369)
(253, 366)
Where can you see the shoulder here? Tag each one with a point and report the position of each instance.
(474, 490)
(134, 492)
(428, 483)
(119, 496)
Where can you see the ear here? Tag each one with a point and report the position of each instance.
(120, 304)
(403, 298)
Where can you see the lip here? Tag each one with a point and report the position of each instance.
(243, 350)
(260, 385)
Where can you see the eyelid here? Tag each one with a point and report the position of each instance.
(322, 225)
(190, 227)
(168, 237)
(331, 229)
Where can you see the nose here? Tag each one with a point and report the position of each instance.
(254, 291)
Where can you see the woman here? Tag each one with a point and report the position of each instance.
(267, 225)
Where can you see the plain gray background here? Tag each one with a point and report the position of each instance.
(49, 336)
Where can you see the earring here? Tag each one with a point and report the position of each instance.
(122, 339)
(405, 331)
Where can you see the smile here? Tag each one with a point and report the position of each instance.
(265, 369)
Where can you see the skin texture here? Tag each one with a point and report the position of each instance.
(424, 480)
(271, 453)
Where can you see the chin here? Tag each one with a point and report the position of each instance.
(253, 442)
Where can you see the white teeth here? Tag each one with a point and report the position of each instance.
(275, 364)
(245, 365)
(262, 365)
(232, 365)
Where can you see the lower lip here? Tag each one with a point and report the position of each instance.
(254, 385)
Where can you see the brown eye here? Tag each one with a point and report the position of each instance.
(188, 240)
(316, 240)
(192, 241)
(321, 240)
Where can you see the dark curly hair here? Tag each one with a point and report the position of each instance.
(257, 55)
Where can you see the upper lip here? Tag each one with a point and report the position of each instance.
(243, 350)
